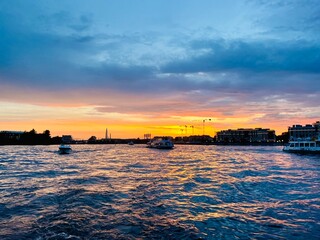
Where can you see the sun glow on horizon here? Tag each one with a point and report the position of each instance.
(85, 121)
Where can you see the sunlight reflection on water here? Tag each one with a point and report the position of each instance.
(128, 192)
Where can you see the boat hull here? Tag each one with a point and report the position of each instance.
(161, 147)
(64, 151)
(302, 151)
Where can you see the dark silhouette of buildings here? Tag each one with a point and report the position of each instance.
(10, 136)
(195, 139)
(66, 139)
(25, 138)
(252, 136)
(247, 135)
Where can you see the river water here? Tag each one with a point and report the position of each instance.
(132, 192)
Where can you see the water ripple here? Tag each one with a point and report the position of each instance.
(131, 192)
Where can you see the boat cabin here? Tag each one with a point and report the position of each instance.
(305, 144)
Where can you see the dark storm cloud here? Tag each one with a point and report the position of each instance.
(264, 56)
(267, 67)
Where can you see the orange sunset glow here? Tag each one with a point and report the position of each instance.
(83, 122)
(75, 70)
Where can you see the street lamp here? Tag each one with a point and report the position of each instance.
(181, 129)
(192, 129)
(203, 121)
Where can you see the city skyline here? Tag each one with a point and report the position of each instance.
(137, 67)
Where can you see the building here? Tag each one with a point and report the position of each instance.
(246, 135)
(11, 135)
(66, 139)
(307, 132)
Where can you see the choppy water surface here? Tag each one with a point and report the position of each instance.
(131, 192)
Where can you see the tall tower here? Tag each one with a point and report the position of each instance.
(106, 133)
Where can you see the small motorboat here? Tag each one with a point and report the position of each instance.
(65, 149)
(161, 143)
(131, 143)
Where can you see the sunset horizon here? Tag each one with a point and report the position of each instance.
(140, 67)
(82, 130)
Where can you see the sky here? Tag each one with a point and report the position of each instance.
(165, 67)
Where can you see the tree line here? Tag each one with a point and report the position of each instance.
(28, 138)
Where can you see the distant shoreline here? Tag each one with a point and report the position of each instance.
(143, 143)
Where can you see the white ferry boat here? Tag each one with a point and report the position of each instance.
(161, 143)
(303, 146)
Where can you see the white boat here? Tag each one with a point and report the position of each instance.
(303, 146)
(130, 143)
(65, 149)
(161, 143)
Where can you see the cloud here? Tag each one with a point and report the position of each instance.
(64, 20)
(80, 56)
(287, 19)
(263, 56)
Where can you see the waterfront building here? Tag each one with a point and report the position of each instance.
(11, 135)
(92, 139)
(200, 139)
(66, 139)
(307, 132)
(246, 135)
